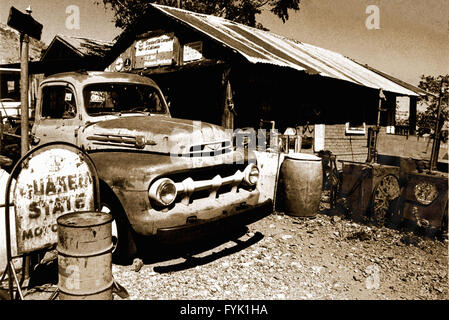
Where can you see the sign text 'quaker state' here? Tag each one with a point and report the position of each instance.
(54, 182)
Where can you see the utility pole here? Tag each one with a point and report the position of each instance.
(372, 147)
(24, 121)
(28, 27)
(436, 135)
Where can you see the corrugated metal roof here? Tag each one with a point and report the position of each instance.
(259, 46)
(400, 82)
(83, 46)
(87, 46)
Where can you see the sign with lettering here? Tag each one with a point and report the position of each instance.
(192, 51)
(156, 51)
(51, 183)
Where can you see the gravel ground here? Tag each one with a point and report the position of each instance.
(287, 258)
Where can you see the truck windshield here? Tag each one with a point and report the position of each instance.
(111, 98)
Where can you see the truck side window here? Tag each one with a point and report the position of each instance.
(58, 102)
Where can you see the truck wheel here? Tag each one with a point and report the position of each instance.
(124, 247)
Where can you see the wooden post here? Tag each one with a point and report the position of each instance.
(412, 115)
(24, 123)
(28, 27)
(436, 134)
(372, 154)
(227, 119)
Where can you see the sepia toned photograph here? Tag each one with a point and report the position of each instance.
(229, 155)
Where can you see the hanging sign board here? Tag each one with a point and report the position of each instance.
(156, 51)
(53, 182)
(192, 51)
(24, 23)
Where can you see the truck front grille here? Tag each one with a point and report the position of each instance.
(208, 182)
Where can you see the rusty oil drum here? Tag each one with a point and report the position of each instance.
(85, 256)
(300, 183)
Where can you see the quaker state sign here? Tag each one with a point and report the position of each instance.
(52, 182)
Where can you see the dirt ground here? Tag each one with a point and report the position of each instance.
(283, 257)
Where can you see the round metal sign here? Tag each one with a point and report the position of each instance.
(54, 180)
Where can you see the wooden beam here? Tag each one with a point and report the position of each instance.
(227, 119)
(205, 63)
(412, 115)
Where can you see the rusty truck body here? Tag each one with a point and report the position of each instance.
(159, 176)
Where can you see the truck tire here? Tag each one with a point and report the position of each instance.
(124, 249)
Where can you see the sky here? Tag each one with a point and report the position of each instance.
(411, 37)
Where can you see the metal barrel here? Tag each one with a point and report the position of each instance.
(300, 184)
(85, 256)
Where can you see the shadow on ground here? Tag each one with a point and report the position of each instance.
(207, 248)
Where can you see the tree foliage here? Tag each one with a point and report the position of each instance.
(426, 120)
(242, 11)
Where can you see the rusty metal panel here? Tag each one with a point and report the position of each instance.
(426, 198)
(52, 182)
(370, 188)
(356, 185)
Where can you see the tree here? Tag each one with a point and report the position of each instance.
(426, 120)
(243, 11)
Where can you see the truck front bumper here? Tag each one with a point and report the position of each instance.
(199, 228)
(148, 221)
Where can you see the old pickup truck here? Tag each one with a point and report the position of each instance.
(160, 177)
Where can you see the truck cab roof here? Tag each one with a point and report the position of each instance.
(88, 77)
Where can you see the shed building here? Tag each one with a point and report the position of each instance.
(219, 71)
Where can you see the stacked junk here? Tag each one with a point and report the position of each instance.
(405, 192)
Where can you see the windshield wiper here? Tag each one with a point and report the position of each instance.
(101, 113)
(134, 111)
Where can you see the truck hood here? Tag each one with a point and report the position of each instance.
(156, 134)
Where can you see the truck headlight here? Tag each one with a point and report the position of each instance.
(425, 192)
(251, 175)
(163, 191)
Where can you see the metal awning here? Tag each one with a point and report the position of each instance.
(259, 46)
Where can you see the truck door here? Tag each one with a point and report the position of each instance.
(59, 114)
